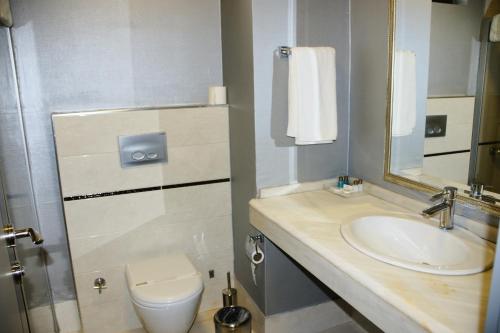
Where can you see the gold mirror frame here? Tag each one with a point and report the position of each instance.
(399, 180)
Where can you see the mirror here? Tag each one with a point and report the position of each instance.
(444, 88)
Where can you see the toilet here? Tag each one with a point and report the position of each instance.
(166, 293)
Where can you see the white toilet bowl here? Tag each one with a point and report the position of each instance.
(166, 293)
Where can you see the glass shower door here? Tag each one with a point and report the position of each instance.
(19, 202)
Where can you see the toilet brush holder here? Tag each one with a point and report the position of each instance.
(229, 295)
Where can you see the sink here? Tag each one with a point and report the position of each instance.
(414, 244)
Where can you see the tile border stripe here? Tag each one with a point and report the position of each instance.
(145, 189)
(448, 153)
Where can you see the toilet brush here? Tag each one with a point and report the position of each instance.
(229, 297)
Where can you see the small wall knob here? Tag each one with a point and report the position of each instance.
(100, 284)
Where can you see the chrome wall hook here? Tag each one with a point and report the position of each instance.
(258, 237)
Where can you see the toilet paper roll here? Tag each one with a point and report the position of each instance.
(217, 95)
(254, 252)
(255, 255)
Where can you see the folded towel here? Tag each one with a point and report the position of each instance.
(312, 95)
(495, 29)
(404, 111)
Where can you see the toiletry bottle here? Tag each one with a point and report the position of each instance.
(360, 186)
(340, 183)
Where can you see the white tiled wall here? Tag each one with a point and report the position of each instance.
(454, 167)
(460, 112)
(106, 233)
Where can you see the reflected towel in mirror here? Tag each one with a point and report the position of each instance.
(404, 111)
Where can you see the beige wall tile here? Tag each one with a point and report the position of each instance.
(454, 167)
(458, 137)
(151, 240)
(115, 214)
(460, 114)
(122, 214)
(113, 317)
(97, 132)
(112, 231)
(459, 109)
(116, 286)
(89, 174)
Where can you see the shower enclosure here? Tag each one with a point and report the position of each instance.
(25, 299)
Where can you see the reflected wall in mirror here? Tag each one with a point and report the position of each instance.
(445, 107)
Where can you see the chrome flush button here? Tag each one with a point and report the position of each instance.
(142, 149)
(152, 156)
(138, 156)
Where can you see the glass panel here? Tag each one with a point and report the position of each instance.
(15, 173)
(488, 159)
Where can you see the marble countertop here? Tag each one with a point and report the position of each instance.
(307, 227)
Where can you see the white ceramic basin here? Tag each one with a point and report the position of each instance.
(413, 244)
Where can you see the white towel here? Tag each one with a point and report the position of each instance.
(495, 29)
(404, 112)
(312, 95)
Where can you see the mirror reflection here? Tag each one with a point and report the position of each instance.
(446, 95)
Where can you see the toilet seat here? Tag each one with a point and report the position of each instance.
(164, 281)
(165, 293)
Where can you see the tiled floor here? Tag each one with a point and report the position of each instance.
(359, 324)
(350, 327)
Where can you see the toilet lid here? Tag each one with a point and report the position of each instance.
(170, 267)
(159, 294)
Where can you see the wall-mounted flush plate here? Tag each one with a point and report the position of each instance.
(435, 126)
(142, 149)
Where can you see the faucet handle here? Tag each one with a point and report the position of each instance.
(448, 192)
(437, 196)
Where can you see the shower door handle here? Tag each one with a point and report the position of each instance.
(11, 234)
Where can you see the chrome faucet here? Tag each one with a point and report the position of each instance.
(445, 207)
(476, 191)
